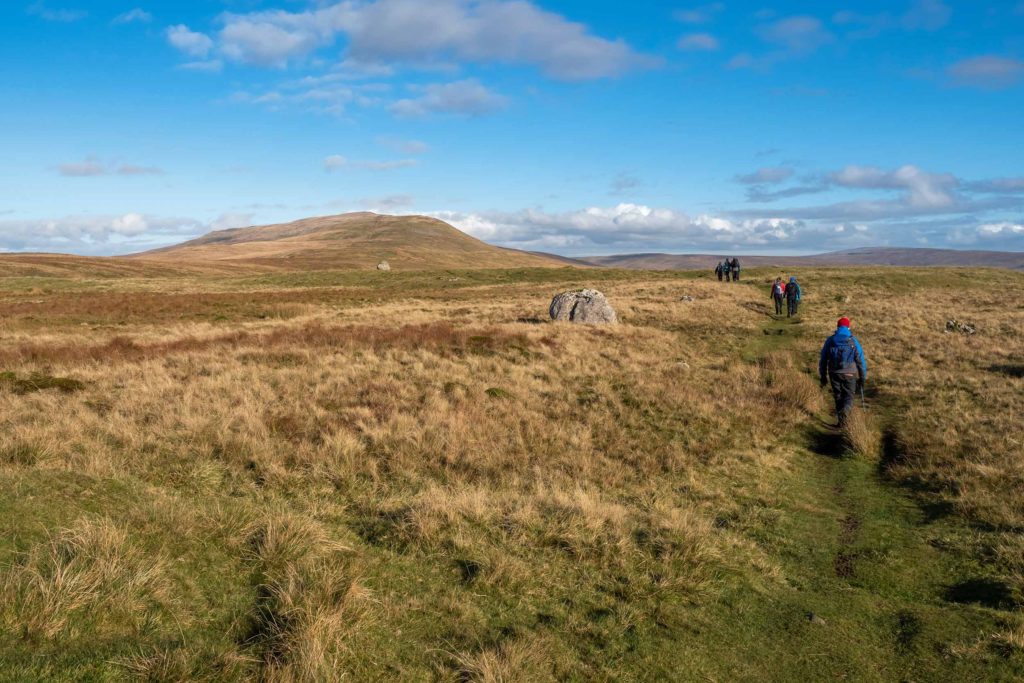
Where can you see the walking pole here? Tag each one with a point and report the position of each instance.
(862, 404)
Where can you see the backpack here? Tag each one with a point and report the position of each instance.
(791, 290)
(842, 357)
(777, 289)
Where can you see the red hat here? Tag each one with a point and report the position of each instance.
(844, 322)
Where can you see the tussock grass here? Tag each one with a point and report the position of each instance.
(89, 572)
(862, 435)
(418, 479)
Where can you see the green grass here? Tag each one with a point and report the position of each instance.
(818, 564)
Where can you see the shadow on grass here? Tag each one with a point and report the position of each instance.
(1010, 370)
(985, 592)
(825, 440)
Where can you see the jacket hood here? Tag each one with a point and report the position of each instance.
(843, 332)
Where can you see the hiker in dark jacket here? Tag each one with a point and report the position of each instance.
(778, 291)
(727, 269)
(793, 296)
(843, 366)
(719, 271)
(736, 270)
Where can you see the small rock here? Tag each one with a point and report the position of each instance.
(384, 266)
(687, 298)
(958, 326)
(586, 306)
(815, 619)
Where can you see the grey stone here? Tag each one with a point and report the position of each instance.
(384, 266)
(586, 306)
(958, 326)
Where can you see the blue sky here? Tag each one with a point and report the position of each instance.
(580, 127)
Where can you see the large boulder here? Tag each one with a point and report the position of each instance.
(587, 306)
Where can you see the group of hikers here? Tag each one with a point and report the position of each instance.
(841, 365)
(791, 292)
(728, 270)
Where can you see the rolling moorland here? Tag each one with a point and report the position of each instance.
(871, 256)
(245, 459)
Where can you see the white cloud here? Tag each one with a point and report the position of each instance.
(190, 42)
(921, 15)
(927, 15)
(336, 162)
(415, 32)
(414, 147)
(129, 224)
(132, 169)
(924, 190)
(698, 42)
(92, 167)
(387, 204)
(468, 97)
(623, 227)
(743, 60)
(766, 176)
(205, 66)
(800, 35)
(318, 95)
(386, 165)
(699, 15)
(82, 169)
(136, 15)
(63, 16)
(987, 71)
(96, 234)
(1003, 229)
(227, 221)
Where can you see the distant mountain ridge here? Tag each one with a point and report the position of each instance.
(868, 256)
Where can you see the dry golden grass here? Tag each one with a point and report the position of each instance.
(464, 436)
(862, 435)
(416, 485)
(90, 572)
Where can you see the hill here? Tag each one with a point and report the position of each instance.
(870, 256)
(355, 240)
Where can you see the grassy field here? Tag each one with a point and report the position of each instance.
(413, 476)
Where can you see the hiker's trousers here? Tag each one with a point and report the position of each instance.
(794, 305)
(844, 390)
(778, 305)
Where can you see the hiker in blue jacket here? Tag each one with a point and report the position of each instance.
(842, 364)
(793, 296)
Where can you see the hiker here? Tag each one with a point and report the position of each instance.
(778, 291)
(842, 364)
(793, 296)
(719, 271)
(727, 269)
(735, 270)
